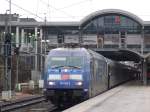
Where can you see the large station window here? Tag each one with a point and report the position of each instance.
(111, 27)
(110, 22)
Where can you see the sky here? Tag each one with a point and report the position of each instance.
(73, 10)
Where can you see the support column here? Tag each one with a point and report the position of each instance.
(144, 72)
(119, 39)
(142, 40)
(36, 49)
(80, 36)
(41, 35)
(35, 73)
(17, 36)
(22, 36)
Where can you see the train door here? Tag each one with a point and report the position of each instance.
(108, 75)
(104, 76)
(100, 77)
(96, 77)
(91, 77)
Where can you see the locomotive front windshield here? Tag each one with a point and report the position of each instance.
(74, 61)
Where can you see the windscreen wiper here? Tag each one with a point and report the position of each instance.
(74, 66)
(57, 67)
(69, 66)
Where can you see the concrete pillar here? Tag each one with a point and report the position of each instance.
(36, 49)
(17, 36)
(119, 39)
(142, 40)
(144, 72)
(41, 35)
(22, 36)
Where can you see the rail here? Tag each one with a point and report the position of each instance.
(14, 105)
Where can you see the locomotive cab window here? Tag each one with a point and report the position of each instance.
(73, 62)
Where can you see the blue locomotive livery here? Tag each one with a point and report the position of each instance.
(78, 74)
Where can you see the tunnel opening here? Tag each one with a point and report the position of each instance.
(127, 57)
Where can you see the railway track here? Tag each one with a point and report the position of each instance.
(18, 104)
(48, 109)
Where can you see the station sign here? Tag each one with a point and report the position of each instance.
(71, 39)
(133, 39)
(146, 39)
(111, 39)
(89, 39)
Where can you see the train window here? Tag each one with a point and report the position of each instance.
(75, 61)
(66, 61)
(57, 61)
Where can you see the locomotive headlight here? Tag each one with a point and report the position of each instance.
(79, 83)
(51, 83)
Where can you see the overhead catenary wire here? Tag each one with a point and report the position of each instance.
(60, 9)
(37, 7)
(74, 4)
(49, 10)
(48, 5)
(25, 10)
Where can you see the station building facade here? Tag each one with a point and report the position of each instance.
(107, 29)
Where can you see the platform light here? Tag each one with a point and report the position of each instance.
(79, 83)
(47, 40)
(85, 90)
(51, 83)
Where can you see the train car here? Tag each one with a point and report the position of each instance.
(78, 74)
(119, 73)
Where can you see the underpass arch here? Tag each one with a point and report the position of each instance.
(127, 55)
(120, 54)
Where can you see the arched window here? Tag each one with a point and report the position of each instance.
(111, 23)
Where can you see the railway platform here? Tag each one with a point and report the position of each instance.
(130, 97)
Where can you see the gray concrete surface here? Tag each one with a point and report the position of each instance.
(130, 97)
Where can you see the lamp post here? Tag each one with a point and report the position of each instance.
(9, 16)
(16, 51)
(6, 93)
(45, 34)
(142, 40)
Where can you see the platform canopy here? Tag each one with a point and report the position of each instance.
(120, 54)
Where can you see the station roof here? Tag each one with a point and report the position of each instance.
(120, 54)
(111, 11)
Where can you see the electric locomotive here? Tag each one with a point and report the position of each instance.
(78, 74)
